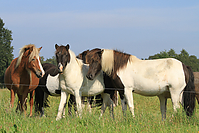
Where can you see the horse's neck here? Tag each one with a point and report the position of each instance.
(74, 66)
(21, 71)
(73, 75)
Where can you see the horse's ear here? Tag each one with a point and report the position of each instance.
(102, 50)
(67, 46)
(56, 46)
(85, 52)
(26, 49)
(39, 48)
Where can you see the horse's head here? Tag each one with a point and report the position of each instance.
(62, 56)
(29, 55)
(86, 56)
(94, 64)
(82, 56)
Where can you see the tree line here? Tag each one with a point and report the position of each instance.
(6, 54)
(184, 57)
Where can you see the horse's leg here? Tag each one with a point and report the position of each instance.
(12, 95)
(197, 97)
(129, 97)
(43, 103)
(89, 103)
(107, 101)
(124, 105)
(78, 102)
(175, 97)
(123, 101)
(64, 96)
(64, 110)
(115, 99)
(70, 103)
(19, 103)
(163, 106)
(31, 101)
(23, 102)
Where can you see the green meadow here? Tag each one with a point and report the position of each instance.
(147, 119)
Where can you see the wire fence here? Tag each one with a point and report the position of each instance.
(117, 89)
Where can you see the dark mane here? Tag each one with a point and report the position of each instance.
(120, 60)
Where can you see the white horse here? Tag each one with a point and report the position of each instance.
(165, 78)
(73, 80)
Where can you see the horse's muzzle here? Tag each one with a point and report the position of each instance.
(90, 76)
(60, 68)
(39, 74)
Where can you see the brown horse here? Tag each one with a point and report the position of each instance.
(22, 76)
(196, 82)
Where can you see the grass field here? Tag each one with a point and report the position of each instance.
(147, 119)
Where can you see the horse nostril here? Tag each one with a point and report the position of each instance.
(90, 76)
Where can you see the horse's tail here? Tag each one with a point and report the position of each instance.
(189, 91)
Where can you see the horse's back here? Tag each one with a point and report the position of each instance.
(49, 83)
(152, 77)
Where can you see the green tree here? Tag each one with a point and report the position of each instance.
(6, 49)
(184, 57)
(49, 60)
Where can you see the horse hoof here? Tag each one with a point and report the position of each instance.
(58, 118)
(43, 116)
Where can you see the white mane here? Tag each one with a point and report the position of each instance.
(73, 57)
(107, 61)
(35, 52)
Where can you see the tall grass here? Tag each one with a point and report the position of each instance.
(147, 119)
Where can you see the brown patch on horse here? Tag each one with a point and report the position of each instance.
(120, 61)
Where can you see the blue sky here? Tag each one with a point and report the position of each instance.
(141, 28)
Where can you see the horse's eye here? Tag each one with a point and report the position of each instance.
(33, 59)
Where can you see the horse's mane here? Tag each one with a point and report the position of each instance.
(113, 60)
(34, 53)
(107, 61)
(72, 55)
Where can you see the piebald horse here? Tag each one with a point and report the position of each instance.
(49, 85)
(73, 80)
(22, 76)
(165, 78)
